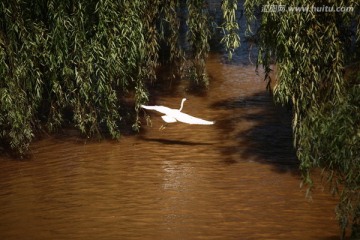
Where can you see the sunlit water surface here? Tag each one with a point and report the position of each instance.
(237, 179)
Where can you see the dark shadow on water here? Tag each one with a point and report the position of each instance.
(331, 238)
(267, 140)
(173, 142)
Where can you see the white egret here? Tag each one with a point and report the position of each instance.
(175, 115)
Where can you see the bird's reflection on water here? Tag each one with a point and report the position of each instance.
(171, 142)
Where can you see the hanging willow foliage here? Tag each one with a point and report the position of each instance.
(170, 34)
(311, 50)
(231, 39)
(80, 56)
(76, 63)
(198, 37)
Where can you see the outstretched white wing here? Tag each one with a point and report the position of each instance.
(162, 109)
(173, 115)
(186, 118)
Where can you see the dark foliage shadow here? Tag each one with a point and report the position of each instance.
(268, 140)
(167, 81)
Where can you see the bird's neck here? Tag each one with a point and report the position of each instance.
(182, 105)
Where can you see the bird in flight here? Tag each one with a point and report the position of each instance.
(175, 115)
